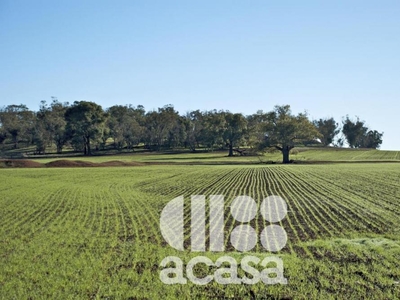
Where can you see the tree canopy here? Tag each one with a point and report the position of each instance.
(84, 125)
(328, 129)
(283, 130)
(358, 135)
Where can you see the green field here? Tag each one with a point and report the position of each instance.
(220, 157)
(93, 233)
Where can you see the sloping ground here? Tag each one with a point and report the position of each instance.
(333, 154)
(69, 163)
(82, 163)
(299, 155)
(24, 163)
(19, 163)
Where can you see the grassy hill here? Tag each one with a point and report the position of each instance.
(338, 154)
(305, 155)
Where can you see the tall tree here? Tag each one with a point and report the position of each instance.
(328, 128)
(358, 135)
(354, 131)
(255, 132)
(117, 123)
(283, 130)
(193, 124)
(18, 122)
(235, 130)
(51, 120)
(160, 124)
(85, 122)
(41, 137)
(213, 128)
(126, 125)
(133, 126)
(372, 139)
(3, 134)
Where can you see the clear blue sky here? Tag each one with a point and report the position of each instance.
(330, 58)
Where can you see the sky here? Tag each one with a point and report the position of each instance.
(329, 58)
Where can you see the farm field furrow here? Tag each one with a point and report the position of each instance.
(94, 233)
(370, 208)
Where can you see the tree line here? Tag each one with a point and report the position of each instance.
(85, 125)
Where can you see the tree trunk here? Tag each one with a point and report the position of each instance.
(15, 138)
(285, 152)
(89, 152)
(59, 142)
(230, 149)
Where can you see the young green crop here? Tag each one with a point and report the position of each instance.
(93, 233)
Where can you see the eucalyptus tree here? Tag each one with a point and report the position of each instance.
(85, 121)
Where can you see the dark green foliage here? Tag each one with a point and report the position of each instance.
(358, 135)
(85, 126)
(161, 126)
(125, 125)
(193, 126)
(328, 128)
(283, 130)
(372, 139)
(17, 121)
(234, 130)
(51, 124)
(84, 123)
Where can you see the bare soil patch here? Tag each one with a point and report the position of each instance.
(19, 163)
(69, 163)
(82, 164)
(118, 163)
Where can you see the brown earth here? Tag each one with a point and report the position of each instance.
(118, 163)
(63, 163)
(25, 163)
(81, 163)
(69, 163)
(19, 163)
